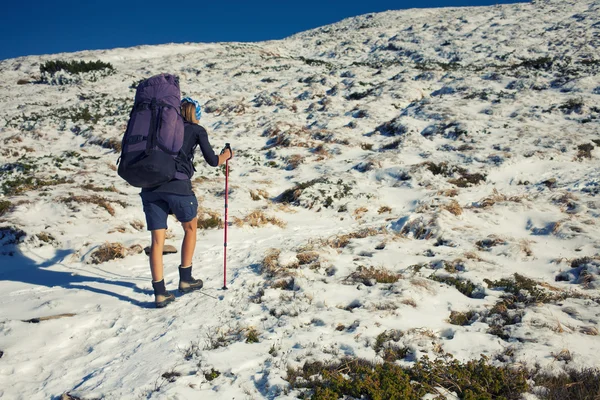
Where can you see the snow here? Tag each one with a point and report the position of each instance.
(433, 85)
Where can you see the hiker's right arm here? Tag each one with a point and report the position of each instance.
(207, 151)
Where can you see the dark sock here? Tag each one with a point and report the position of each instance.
(185, 274)
(159, 287)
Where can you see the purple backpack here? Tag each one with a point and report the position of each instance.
(154, 134)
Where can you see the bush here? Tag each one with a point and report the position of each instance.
(359, 378)
(465, 286)
(74, 67)
(524, 290)
(5, 207)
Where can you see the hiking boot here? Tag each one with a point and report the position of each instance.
(161, 296)
(161, 300)
(187, 283)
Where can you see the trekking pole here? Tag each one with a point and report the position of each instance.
(227, 146)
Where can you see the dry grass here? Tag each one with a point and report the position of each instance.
(294, 161)
(453, 207)
(208, 219)
(384, 209)
(270, 265)
(341, 241)
(589, 330)
(259, 194)
(307, 257)
(93, 188)
(525, 246)
(448, 192)
(359, 212)
(369, 275)
(120, 229)
(107, 252)
(497, 197)
(423, 284)
(257, 219)
(471, 255)
(138, 225)
(409, 302)
(93, 199)
(563, 355)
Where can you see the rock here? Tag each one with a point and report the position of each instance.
(168, 249)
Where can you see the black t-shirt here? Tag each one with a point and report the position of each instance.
(194, 135)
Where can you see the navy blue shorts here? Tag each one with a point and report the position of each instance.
(158, 206)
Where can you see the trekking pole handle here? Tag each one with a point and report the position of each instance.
(227, 146)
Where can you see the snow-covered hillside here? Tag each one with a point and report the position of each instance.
(432, 173)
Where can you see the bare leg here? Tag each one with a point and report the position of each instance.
(156, 254)
(189, 242)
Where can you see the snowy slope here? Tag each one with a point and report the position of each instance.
(433, 145)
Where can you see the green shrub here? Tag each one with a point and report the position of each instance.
(464, 286)
(252, 336)
(572, 384)
(355, 378)
(523, 289)
(212, 375)
(5, 207)
(23, 184)
(461, 318)
(361, 379)
(473, 380)
(74, 67)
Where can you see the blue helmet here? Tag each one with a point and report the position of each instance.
(194, 102)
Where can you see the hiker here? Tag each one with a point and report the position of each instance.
(177, 197)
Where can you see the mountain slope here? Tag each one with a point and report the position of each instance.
(393, 172)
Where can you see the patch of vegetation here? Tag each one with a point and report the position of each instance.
(10, 235)
(341, 241)
(584, 271)
(171, 376)
(317, 63)
(571, 384)
(541, 63)
(524, 290)
(386, 346)
(572, 106)
(467, 180)
(209, 219)
(252, 335)
(22, 184)
(107, 252)
(585, 150)
(461, 318)
(359, 378)
(307, 257)
(435, 65)
(292, 196)
(271, 266)
(45, 237)
(74, 67)
(488, 243)
(368, 276)
(360, 95)
(464, 286)
(257, 219)
(391, 146)
(5, 207)
(212, 375)
(93, 199)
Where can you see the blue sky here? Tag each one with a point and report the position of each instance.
(33, 27)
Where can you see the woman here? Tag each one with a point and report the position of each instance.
(177, 197)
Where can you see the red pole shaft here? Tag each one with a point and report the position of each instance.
(226, 219)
